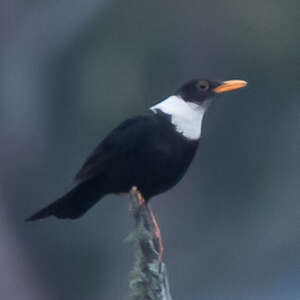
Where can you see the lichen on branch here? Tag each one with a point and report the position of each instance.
(148, 279)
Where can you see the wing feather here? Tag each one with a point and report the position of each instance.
(129, 134)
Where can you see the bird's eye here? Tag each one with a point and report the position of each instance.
(203, 85)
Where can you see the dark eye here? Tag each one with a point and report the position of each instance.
(203, 85)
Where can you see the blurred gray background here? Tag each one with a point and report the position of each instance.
(72, 70)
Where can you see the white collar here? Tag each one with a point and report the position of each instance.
(185, 116)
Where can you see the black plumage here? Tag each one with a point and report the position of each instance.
(145, 151)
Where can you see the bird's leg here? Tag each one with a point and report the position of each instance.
(150, 222)
(157, 234)
(140, 198)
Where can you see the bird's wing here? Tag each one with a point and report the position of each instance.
(130, 133)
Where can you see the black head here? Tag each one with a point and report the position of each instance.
(200, 90)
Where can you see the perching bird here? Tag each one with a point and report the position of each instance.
(151, 152)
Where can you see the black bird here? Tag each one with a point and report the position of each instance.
(151, 152)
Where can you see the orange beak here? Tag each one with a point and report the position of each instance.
(230, 85)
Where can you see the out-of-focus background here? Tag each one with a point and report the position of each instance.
(72, 70)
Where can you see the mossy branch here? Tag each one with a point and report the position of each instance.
(149, 279)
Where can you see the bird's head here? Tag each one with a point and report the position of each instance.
(202, 91)
(187, 106)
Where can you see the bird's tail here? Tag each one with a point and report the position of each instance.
(72, 205)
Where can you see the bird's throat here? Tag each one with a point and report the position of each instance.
(185, 116)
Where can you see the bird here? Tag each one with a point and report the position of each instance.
(151, 151)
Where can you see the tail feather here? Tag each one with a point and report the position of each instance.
(72, 205)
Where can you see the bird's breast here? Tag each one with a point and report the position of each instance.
(164, 162)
